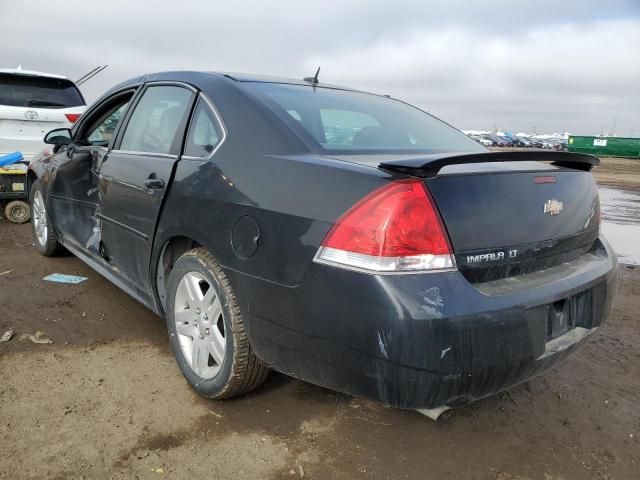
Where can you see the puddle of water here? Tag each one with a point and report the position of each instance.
(625, 240)
(621, 222)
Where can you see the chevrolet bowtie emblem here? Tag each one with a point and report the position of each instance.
(553, 207)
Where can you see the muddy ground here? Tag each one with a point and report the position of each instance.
(105, 400)
(619, 172)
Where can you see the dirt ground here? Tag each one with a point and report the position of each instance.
(106, 400)
(619, 172)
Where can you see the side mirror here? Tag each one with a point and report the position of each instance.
(58, 137)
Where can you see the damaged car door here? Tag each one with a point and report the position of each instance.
(135, 176)
(73, 193)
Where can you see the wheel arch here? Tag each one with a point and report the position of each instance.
(172, 248)
(31, 178)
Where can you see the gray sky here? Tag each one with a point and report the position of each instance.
(554, 65)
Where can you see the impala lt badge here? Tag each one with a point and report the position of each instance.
(492, 256)
(553, 207)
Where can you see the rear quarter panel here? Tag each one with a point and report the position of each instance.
(294, 201)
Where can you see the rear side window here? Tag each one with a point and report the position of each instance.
(38, 92)
(153, 125)
(204, 133)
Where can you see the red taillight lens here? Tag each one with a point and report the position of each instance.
(394, 228)
(72, 117)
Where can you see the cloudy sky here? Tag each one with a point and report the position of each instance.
(563, 65)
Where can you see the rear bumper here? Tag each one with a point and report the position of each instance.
(425, 340)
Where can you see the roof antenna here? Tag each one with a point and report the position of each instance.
(313, 79)
(89, 75)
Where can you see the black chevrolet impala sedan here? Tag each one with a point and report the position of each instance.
(344, 238)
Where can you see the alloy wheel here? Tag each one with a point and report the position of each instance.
(200, 326)
(40, 219)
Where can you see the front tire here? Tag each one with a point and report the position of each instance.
(45, 239)
(206, 329)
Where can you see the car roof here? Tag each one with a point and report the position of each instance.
(31, 73)
(198, 77)
(247, 77)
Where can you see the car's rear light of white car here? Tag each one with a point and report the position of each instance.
(394, 229)
(72, 117)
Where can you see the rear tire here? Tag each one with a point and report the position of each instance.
(206, 329)
(17, 211)
(44, 238)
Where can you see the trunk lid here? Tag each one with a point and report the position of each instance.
(512, 217)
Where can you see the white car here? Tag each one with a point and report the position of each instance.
(482, 141)
(32, 104)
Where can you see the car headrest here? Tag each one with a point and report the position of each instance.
(376, 136)
(169, 121)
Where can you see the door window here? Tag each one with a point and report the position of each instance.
(100, 124)
(204, 133)
(102, 133)
(155, 120)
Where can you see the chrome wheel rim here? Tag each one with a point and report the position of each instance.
(199, 324)
(40, 219)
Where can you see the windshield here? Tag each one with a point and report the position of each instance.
(38, 92)
(346, 122)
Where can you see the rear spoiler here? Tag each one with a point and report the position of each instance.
(430, 165)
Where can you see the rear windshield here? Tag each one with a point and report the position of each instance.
(38, 92)
(345, 122)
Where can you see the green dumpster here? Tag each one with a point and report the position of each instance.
(605, 146)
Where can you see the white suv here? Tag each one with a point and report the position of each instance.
(32, 104)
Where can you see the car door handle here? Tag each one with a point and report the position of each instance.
(154, 183)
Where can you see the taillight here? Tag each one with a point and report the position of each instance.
(72, 117)
(395, 228)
